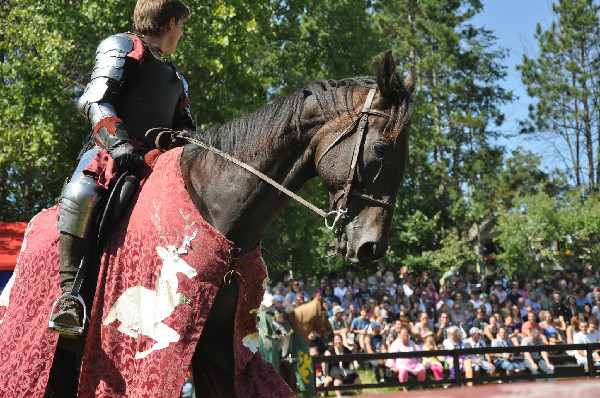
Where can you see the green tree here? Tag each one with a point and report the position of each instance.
(544, 231)
(564, 79)
(458, 93)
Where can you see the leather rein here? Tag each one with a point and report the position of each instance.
(344, 195)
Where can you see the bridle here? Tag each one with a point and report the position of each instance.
(344, 195)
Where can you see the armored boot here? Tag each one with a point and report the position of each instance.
(69, 319)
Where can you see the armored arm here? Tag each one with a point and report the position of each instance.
(117, 59)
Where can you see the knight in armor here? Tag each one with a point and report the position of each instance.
(133, 89)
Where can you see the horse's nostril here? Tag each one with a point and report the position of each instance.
(368, 251)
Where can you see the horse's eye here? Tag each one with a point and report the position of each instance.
(380, 149)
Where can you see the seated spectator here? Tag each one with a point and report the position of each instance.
(440, 328)
(338, 324)
(513, 334)
(481, 320)
(490, 331)
(295, 297)
(485, 304)
(457, 316)
(506, 361)
(340, 289)
(571, 307)
(550, 331)
(593, 330)
(348, 300)
(435, 364)
(514, 294)
(421, 328)
(516, 317)
(479, 361)
(532, 324)
(557, 308)
(584, 337)
(321, 380)
(359, 328)
(499, 291)
(534, 301)
(587, 312)
(331, 298)
(596, 309)
(470, 313)
(475, 298)
(341, 372)
(455, 342)
(536, 361)
(374, 343)
(594, 295)
(314, 340)
(580, 299)
(404, 366)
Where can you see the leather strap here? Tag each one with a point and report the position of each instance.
(362, 121)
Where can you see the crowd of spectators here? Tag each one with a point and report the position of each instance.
(402, 311)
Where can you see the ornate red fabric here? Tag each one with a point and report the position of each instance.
(158, 278)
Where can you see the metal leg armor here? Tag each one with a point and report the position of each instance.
(79, 205)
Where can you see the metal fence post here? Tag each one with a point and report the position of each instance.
(590, 362)
(456, 364)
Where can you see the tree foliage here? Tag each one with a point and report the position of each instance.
(565, 80)
(237, 56)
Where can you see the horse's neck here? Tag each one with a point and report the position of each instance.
(239, 204)
(302, 329)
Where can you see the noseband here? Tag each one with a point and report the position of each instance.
(362, 122)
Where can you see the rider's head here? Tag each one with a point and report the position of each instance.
(162, 19)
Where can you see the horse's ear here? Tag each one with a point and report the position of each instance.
(386, 72)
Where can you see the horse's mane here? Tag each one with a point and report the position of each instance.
(278, 121)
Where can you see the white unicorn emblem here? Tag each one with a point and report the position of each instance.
(141, 310)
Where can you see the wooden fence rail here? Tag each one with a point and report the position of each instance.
(589, 348)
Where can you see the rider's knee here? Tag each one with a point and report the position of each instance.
(80, 201)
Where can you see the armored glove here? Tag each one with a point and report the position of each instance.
(125, 156)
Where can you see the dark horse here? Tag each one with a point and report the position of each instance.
(287, 138)
(309, 133)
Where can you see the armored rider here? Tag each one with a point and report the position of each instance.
(132, 90)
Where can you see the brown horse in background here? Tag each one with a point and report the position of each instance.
(310, 317)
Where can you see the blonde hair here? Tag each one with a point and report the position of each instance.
(151, 16)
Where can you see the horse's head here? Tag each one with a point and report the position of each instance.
(361, 154)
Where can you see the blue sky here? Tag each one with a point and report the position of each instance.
(514, 23)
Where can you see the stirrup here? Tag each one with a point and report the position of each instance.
(67, 330)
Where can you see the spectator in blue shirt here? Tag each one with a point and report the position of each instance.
(359, 327)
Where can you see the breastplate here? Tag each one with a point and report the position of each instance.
(150, 100)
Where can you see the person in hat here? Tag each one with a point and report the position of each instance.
(479, 361)
(338, 323)
(294, 296)
(541, 287)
